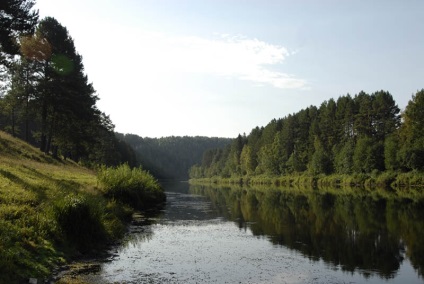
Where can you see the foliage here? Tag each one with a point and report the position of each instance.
(343, 160)
(391, 149)
(17, 19)
(320, 161)
(367, 155)
(410, 179)
(50, 210)
(49, 102)
(412, 133)
(79, 221)
(135, 186)
(357, 135)
(172, 157)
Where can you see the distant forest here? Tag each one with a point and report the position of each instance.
(365, 134)
(171, 157)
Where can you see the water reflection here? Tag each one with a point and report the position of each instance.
(369, 234)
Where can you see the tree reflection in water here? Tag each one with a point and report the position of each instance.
(351, 229)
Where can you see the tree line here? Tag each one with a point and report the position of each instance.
(171, 157)
(46, 98)
(364, 133)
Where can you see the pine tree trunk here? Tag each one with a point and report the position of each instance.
(43, 142)
(26, 109)
(50, 137)
(13, 122)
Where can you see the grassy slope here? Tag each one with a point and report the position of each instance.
(31, 185)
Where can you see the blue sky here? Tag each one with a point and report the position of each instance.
(223, 67)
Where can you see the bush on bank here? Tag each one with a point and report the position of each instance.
(134, 187)
(53, 210)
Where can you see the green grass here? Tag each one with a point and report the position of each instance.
(50, 211)
(135, 187)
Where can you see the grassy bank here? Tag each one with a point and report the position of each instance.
(134, 187)
(50, 212)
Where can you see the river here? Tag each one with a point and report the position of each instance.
(239, 235)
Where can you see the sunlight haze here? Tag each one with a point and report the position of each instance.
(220, 68)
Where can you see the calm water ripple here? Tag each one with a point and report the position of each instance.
(210, 236)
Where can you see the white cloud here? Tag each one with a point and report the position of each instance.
(232, 56)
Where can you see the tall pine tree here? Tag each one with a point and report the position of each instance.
(16, 19)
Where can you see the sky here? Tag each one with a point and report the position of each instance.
(220, 68)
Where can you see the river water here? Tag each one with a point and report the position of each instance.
(238, 235)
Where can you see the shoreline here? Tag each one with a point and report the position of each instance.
(74, 271)
(385, 180)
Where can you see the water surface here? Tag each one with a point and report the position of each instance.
(238, 235)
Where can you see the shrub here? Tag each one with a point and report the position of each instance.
(115, 218)
(134, 187)
(79, 221)
(386, 179)
(410, 179)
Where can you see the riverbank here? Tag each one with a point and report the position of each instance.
(397, 181)
(51, 212)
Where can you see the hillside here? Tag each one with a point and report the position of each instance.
(171, 157)
(43, 200)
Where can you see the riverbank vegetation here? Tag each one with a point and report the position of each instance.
(411, 180)
(135, 186)
(52, 211)
(43, 201)
(362, 139)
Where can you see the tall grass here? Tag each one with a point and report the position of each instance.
(79, 221)
(135, 187)
(50, 210)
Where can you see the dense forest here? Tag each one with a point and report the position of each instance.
(365, 134)
(171, 157)
(46, 98)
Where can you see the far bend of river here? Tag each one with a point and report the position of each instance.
(238, 235)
